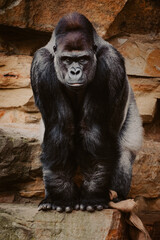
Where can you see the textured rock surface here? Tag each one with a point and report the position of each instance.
(17, 97)
(138, 16)
(146, 171)
(142, 54)
(23, 222)
(43, 16)
(147, 92)
(14, 71)
(18, 116)
(20, 168)
(17, 106)
(21, 41)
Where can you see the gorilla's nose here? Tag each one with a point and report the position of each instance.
(75, 74)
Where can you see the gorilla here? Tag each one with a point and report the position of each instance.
(90, 118)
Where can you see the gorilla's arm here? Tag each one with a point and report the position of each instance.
(53, 107)
(42, 76)
(124, 120)
(57, 157)
(111, 69)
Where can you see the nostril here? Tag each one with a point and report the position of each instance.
(72, 72)
(77, 72)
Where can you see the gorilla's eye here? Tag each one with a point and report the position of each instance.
(84, 60)
(67, 60)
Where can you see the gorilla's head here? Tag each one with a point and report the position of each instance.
(74, 53)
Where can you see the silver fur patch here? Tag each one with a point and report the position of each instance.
(131, 138)
(42, 130)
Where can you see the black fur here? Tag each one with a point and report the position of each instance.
(84, 128)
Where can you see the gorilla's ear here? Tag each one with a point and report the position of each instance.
(54, 48)
(94, 48)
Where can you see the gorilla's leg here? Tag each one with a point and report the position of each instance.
(59, 166)
(95, 188)
(130, 141)
(61, 193)
(122, 175)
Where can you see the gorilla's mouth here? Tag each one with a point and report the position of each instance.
(76, 85)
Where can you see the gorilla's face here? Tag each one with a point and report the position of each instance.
(75, 61)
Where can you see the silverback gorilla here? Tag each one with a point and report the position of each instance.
(90, 117)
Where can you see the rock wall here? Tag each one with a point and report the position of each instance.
(133, 27)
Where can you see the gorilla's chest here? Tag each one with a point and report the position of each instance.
(87, 128)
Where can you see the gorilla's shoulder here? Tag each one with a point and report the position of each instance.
(42, 54)
(111, 61)
(108, 52)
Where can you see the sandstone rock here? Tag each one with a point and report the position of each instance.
(141, 53)
(145, 85)
(14, 71)
(147, 92)
(18, 41)
(32, 189)
(23, 222)
(19, 155)
(30, 106)
(44, 16)
(152, 130)
(147, 205)
(149, 212)
(152, 221)
(32, 118)
(7, 197)
(18, 116)
(17, 106)
(15, 97)
(146, 106)
(30, 131)
(146, 171)
(137, 16)
(157, 92)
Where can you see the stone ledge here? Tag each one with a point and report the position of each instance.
(19, 222)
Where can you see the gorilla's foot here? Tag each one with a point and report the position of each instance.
(59, 206)
(62, 208)
(45, 204)
(93, 204)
